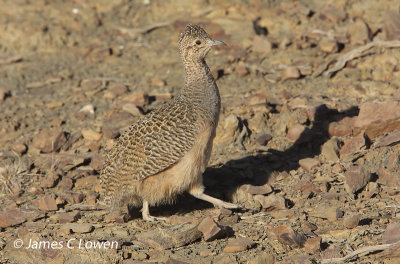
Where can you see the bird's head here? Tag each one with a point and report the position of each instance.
(195, 43)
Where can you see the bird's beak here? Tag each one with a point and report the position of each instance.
(217, 42)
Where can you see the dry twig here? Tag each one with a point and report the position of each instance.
(360, 252)
(359, 52)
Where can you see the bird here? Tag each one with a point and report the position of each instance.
(166, 152)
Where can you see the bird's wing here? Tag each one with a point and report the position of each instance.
(155, 142)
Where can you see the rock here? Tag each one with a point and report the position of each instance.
(378, 118)
(89, 108)
(290, 73)
(309, 227)
(342, 128)
(241, 196)
(241, 70)
(307, 186)
(351, 221)
(92, 197)
(332, 13)
(131, 109)
(170, 237)
(90, 180)
(79, 228)
(223, 259)
(89, 134)
(261, 44)
(238, 245)
(60, 201)
(97, 162)
(300, 259)
(295, 132)
(359, 32)
(271, 202)
(90, 84)
(50, 179)
(48, 203)
(230, 126)
(328, 45)
(19, 148)
(389, 140)
(392, 25)
(65, 184)
(139, 98)
(313, 245)
(174, 261)
(74, 198)
(49, 140)
(158, 82)
(68, 217)
(210, 229)
(117, 217)
(392, 234)
(287, 236)
(388, 177)
(263, 139)
(357, 177)
(263, 189)
(326, 211)
(308, 164)
(263, 258)
(228, 220)
(54, 105)
(4, 93)
(180, 219)
(16, 216)
(117, 88)
(330, 150)
(113, 125)
(353, 145)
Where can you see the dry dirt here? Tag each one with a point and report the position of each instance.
(319, 139)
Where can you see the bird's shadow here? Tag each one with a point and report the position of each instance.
(257, 169)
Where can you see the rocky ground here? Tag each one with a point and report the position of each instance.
(308, 139)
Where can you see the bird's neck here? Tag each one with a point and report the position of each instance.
(200, 86)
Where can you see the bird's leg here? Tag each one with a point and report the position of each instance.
(146, 213)
(199, 194)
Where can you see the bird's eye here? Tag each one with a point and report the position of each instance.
(198, 42)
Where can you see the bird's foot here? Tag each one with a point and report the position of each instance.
(150, 218)
(215, 201)
(146, 214)
(228, 205)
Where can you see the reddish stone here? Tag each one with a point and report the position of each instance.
(210, 229)
(49, 140)
(378, 118)
(238, 244)
(48, 203)
(271, 202)
(286, 235)
(313, 245)
(74, 198)
(392, 234)
(17, 216)
(391, 139)
(351, 221)
(294, 133)
(353, 145)
(342, 128)
(357, 177)
(387, 177)
(308, 163)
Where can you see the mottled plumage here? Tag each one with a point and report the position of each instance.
(166, 152)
